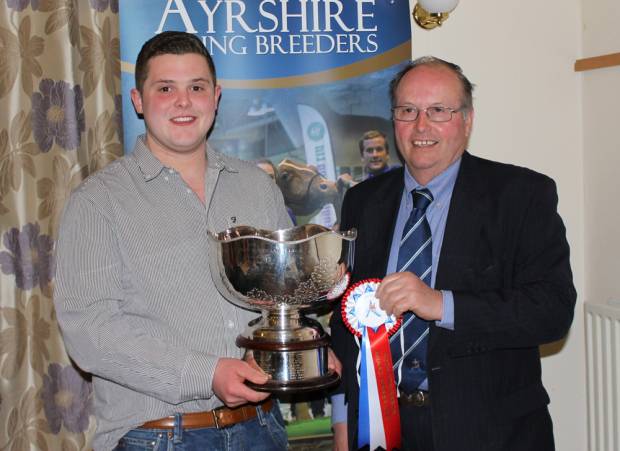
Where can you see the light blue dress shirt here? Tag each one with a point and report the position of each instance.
(437, 214)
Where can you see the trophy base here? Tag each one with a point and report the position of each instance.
(301, 369)
(295, 356)
(300, 386)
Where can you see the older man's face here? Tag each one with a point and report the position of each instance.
(427, 147)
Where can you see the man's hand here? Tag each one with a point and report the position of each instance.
(341, 442)
(333, 363)
(404, 291)
(229, 382)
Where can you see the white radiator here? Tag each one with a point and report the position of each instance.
(603, 371)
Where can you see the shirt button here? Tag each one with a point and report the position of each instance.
(171, 171)
(231, 324)
(166, 178)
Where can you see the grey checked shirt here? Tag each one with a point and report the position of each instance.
(134, 295)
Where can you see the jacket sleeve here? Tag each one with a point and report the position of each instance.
(341, 337)
(524, 296)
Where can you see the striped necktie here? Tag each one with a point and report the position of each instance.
(408, 345)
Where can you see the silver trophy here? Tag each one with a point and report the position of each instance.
(282, 273)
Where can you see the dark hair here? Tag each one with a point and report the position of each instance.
(169, 43)
(372, 134)
(467, 102)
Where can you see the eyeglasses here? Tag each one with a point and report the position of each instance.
(409, 113)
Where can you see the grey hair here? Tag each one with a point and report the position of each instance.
(467, 102)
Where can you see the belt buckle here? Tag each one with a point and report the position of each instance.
(214, 412)
(419, 398)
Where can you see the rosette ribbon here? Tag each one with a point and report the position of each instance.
(379, 418)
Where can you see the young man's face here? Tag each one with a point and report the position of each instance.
(375, 155)
(178, 102)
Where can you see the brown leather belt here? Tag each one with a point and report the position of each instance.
(216, 418)
(418, 398)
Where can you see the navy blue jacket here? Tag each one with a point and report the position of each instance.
(506, 259)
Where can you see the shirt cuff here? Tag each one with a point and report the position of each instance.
(447, 319)
(339, 409)
(197, 377)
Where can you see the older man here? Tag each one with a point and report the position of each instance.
(473, 256)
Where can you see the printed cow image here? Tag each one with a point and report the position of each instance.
(306, 191)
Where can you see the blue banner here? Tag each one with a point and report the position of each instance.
(266, 39)
(335, 56)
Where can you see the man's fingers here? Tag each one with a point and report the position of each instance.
(249, 358)
(252, 395)
(388, 284)
(230, 378)
(254, 374)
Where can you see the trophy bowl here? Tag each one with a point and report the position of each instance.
(282, 273)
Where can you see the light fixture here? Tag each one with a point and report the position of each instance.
(433, 13)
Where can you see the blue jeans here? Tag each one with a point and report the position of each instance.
(264, 433)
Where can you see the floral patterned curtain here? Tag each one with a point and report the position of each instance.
(60, 119)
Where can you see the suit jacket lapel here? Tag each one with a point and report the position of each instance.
(379, 220)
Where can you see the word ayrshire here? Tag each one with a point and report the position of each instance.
(277, 26)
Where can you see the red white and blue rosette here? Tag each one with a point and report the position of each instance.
(379, 419)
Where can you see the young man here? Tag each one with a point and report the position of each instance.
(134, 295)
(474, 257)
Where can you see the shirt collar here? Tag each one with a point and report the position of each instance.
(217, 161)
(151, 167)
(441, 186)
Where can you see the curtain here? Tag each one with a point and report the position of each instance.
(60, 119)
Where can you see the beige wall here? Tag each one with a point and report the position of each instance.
(528, 105)
(601, 147)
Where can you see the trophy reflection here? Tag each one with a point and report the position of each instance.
(282, 273)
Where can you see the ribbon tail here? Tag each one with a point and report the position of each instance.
(386, 388)
(377, 432)
(363, 424)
